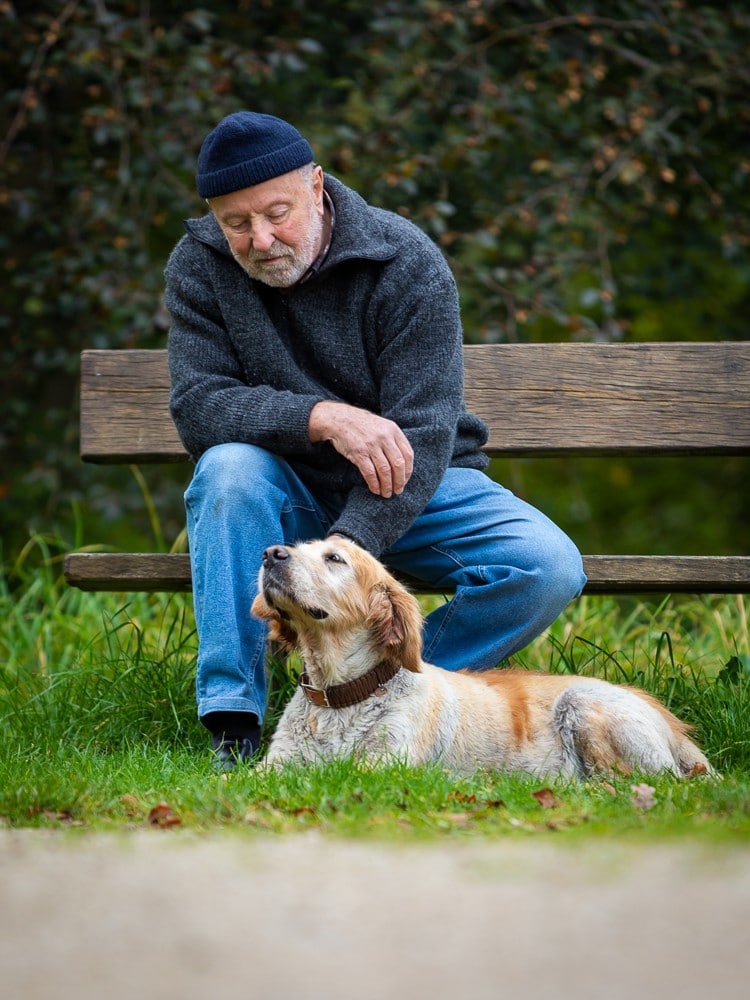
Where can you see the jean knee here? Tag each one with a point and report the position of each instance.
(232, 463)
(231, 471)
(558, 569)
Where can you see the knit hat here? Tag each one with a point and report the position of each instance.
(247, 148)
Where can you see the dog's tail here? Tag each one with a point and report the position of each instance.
(689, 760)
(605, 726)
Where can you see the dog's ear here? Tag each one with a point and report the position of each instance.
(278, 630)
(396, 622)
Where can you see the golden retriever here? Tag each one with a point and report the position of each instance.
(365, 689)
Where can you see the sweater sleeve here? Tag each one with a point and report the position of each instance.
(211, 401)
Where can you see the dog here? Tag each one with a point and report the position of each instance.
(366, 692)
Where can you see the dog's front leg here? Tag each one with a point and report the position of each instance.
(283, 746)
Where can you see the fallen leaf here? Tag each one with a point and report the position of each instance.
(643, 796)
(546, 798)
(162, 815)
(609, 788)
(301, 811)
(462, 797)
(472, 800)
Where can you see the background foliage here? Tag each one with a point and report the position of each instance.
(585, 167)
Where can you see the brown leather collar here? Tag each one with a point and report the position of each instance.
(351, 693)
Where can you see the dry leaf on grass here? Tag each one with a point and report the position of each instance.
(472, 800)
(162, 815)
(546, 798)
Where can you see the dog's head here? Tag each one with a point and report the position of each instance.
(339, 606)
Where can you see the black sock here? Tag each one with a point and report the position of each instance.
(233, 726)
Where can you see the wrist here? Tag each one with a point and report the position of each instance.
(318, 421)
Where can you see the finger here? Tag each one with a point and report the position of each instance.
(407, 455)
(401, 459)
(370, 475)
(397, 466)
(384, 473)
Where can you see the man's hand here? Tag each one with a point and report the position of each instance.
(378, 447)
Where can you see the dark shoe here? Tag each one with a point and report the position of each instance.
(229, 752)
(235, 737)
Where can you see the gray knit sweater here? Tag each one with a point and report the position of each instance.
(377, 327)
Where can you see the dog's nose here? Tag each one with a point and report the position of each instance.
(274, 554)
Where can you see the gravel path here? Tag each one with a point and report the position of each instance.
(164, 914)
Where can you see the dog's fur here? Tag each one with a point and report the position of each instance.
(344, 612)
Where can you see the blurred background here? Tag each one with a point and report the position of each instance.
(584, 167)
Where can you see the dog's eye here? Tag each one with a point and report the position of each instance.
(334, 557)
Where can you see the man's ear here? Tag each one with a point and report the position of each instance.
(278, 630)
(396, 621)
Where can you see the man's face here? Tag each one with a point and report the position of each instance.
(275, 229)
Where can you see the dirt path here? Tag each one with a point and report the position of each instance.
(164, 915)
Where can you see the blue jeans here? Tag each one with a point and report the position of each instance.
(512, 569)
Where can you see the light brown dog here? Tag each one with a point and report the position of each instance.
(365, 689)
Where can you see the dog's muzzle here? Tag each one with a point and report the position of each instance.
(276, 562)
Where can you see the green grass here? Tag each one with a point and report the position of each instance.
(152, 785)
(98, 727)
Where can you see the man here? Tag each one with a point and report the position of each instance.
(316, 367)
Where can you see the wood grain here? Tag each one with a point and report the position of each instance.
(538, 399)
(610, 574)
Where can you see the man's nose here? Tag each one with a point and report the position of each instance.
(263, 237)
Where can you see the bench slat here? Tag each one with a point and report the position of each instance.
(125, 408)
(608, 574)
(596, 399)
(538, 399)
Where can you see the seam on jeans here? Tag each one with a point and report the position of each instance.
(460, 564)
(453, 604)
(292, 505)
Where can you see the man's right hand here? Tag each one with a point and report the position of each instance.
(377, 446)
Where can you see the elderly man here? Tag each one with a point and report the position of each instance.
(316, 366)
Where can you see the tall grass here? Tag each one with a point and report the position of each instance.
(97, 707)
(91, 669)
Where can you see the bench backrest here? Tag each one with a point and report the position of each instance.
(538, 399)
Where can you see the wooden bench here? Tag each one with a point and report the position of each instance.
(538, 400)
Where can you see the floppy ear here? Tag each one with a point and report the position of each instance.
(278, 630)
(396, 622)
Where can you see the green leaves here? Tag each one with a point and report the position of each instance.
(585, 174)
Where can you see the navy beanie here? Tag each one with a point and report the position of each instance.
(247, 148)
